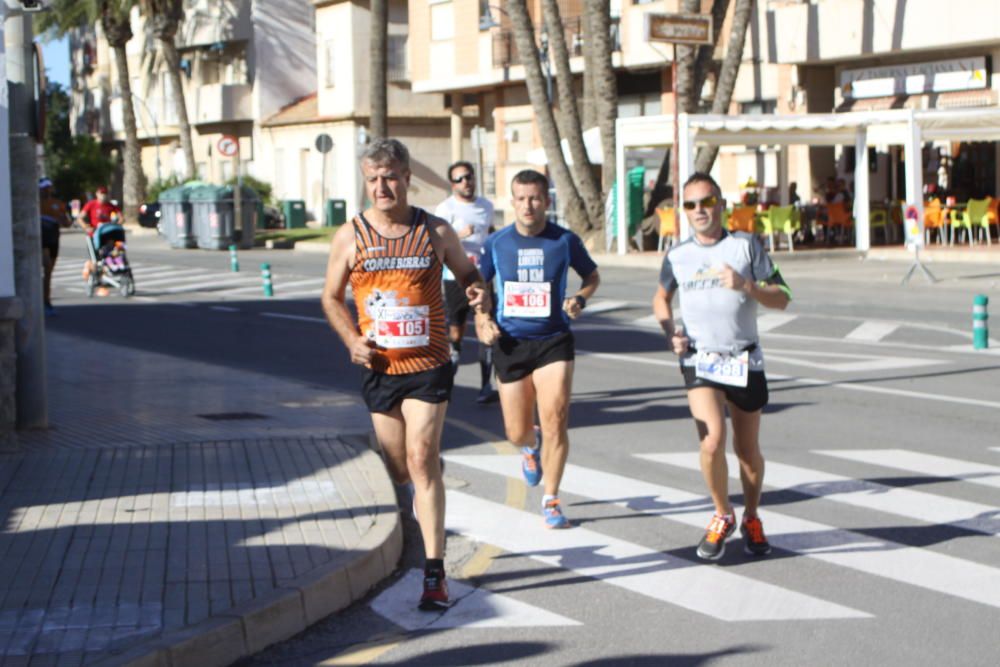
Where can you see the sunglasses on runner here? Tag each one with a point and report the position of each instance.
(706, 202)
(463, 177)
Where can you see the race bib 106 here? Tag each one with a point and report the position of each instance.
(527, 299)
(723, 368)
(403, 326)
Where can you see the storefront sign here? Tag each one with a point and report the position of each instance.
(679, 28)
(914, 79)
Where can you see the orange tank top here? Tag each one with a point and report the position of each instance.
(397, 290)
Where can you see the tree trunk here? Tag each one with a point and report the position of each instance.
(588, 107)
(605, 83)
(379, 63)
(693, 66)
(173, 60)
(118, 32)
(524, 37)
(585, 179)
(742, 14)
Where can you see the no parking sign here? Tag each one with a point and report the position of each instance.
(913, 228)
(228, 145)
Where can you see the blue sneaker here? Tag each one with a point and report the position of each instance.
(531, 461)
(554, 517)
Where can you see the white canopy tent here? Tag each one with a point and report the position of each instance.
(907, 127)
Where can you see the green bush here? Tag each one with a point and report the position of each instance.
(156, 188)
(76, 164)
(263, 190)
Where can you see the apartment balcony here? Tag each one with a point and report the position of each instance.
(505, 47)
(832, 30)
(222, 103)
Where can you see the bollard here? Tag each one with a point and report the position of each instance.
(265, 273)
(234, 260)
(980, 329)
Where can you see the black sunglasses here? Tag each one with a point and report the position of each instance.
(706, 202)
(463, 177)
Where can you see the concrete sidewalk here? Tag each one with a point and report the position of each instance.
(180, 513)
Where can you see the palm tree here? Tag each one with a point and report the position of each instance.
(527, 49)
(598, 44)
(164, 18)
(586, 181)
(727, 75)
(379, 63)
(114, 16)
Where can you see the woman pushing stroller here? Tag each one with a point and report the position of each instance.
(108, 265)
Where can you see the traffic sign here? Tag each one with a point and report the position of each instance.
(693, 29)
(228, 145)
(324, 143)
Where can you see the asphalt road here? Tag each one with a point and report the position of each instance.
(882, 497)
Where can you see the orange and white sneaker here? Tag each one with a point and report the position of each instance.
(713, 544)
(754, 541)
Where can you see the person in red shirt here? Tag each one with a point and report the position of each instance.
(98, 211)
(95, 213)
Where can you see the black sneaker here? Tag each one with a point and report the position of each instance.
(713, 545)
(754, 541)
(487, 395)
(435, 597)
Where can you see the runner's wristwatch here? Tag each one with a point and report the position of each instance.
(580, 301)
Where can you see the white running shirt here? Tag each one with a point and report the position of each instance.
(461, 215)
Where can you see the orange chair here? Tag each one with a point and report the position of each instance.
(743, 219)
(839, 218)
(668, 226)
(933, 219)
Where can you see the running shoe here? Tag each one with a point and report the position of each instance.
(554, 518)
(435, 597)
(713, 545)
(531, 461)
(754, 541)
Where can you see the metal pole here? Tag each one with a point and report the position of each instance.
(322, 189)
(477, 147)
(156, 132)
(676, 155)
(30, 393)
(238, 203)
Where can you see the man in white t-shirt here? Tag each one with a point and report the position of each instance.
(472, 219)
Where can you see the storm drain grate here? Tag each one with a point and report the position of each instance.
(232, 416)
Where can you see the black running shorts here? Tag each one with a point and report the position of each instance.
(751, 398)
(455, 303)
(383, 392)
(50, 237)
(517, 358)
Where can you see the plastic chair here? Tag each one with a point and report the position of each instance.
(668, 226)
(783, 220)
(838, 217)
(933, 219)
(977, 215)
(743, 219)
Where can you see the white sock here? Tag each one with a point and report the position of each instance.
(546, 499)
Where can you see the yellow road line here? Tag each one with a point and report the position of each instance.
(363, 655)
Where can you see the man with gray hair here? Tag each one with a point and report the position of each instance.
(392, 255)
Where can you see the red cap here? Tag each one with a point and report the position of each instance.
(102, 189)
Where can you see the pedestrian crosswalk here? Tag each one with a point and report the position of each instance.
(889, 553)
(154, 281)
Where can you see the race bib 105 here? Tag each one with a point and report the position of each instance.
(403, 326)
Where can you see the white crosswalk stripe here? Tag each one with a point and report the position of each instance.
(924, 464)
(861, 493)
(872, 331)
(769, 321)
(884, 558)
(712, 591)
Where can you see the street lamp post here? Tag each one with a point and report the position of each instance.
(156, 133)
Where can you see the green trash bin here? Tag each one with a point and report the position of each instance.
(176, 219)
(336, 212)
(294, 211)
(214, 220)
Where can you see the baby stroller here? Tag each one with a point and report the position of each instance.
(108, 261)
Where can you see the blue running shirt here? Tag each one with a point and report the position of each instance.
(529, 277)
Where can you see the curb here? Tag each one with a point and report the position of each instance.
(249, 628)
(312, 247)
